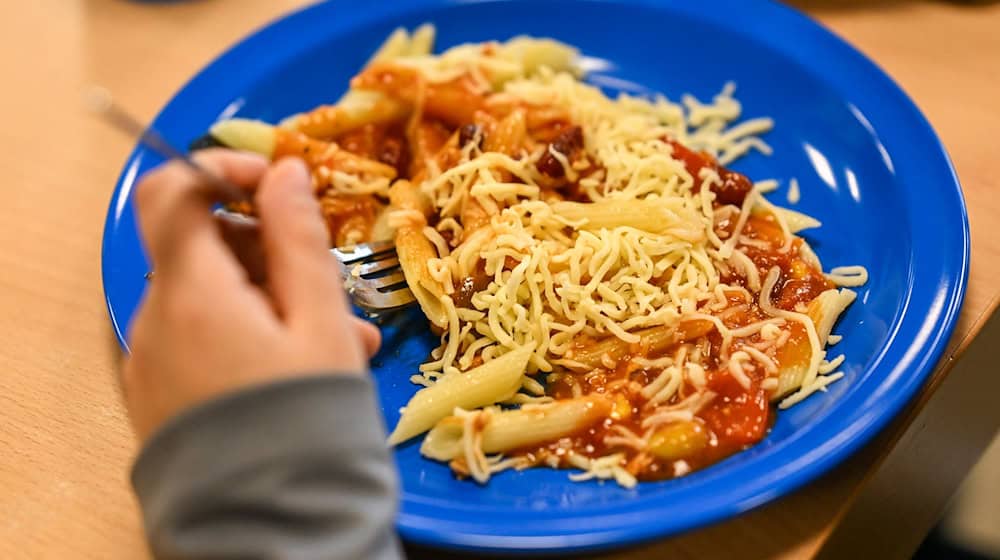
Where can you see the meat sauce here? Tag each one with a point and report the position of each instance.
(735, 420)
(735, 186)
(738, 417)
(798, 282)
(469, 285)
(385, 144)
(568, 141)
(349, 217)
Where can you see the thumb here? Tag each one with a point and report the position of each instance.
(371, 338)
(302, 276)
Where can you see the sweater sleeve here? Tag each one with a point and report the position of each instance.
(296, 469)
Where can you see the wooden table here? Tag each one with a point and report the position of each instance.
(65, 446)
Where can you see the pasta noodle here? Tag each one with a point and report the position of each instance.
(506, 430)
(610, 297)
(489, 383)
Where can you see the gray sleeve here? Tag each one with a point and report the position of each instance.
(294, 470)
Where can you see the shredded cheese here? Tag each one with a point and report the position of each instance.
(650, 252)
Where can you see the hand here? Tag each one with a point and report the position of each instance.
(209, 323)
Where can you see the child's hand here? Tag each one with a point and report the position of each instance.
(206, 325)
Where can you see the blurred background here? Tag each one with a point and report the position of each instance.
(970, 528)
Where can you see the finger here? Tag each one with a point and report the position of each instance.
(173, 205)
(243, 240)
(302, 276)
(169, 208)
(370, 336)
(243, 169)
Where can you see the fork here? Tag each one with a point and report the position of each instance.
(373, 276)
(371, 271)
(100, 102)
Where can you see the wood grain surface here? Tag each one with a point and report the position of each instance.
(65, 444)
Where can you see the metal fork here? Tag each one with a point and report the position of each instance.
(373, 276)
(100, 102)
(371, 271)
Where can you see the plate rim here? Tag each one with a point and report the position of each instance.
(415, 527)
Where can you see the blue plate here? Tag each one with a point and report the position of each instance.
(870, 166)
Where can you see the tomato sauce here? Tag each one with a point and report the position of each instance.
(738, 417)
(469, 286)
(349, 217)
(734, 187)
(382, 143)
(799, 282)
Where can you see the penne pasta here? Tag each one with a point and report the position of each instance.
(795, 356)
(533, 54)
(324, 158)
(355, 110)
(415, 251)
(809, 256)
(381, 230)
(543, 121)
(426, 140)
(320, 156)
(422, 41)
(404, 195)
(508, 430)
(509, 134)
(246, 135)
(455, 102)
(590, 260)
(516, 58)
(827, 308)
(358, 108)
(397, 44)
(492, 382)
(679, 440)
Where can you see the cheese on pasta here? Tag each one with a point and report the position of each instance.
(644, 252)
(591, 282)
(589, 260)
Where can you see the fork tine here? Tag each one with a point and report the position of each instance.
(376, 301)
(386, 281)
(368, 258)
(362, 251)
(388, 291)
(378, 266)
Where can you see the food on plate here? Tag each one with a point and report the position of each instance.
(610, 296)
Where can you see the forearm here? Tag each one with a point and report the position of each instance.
(295, 469)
